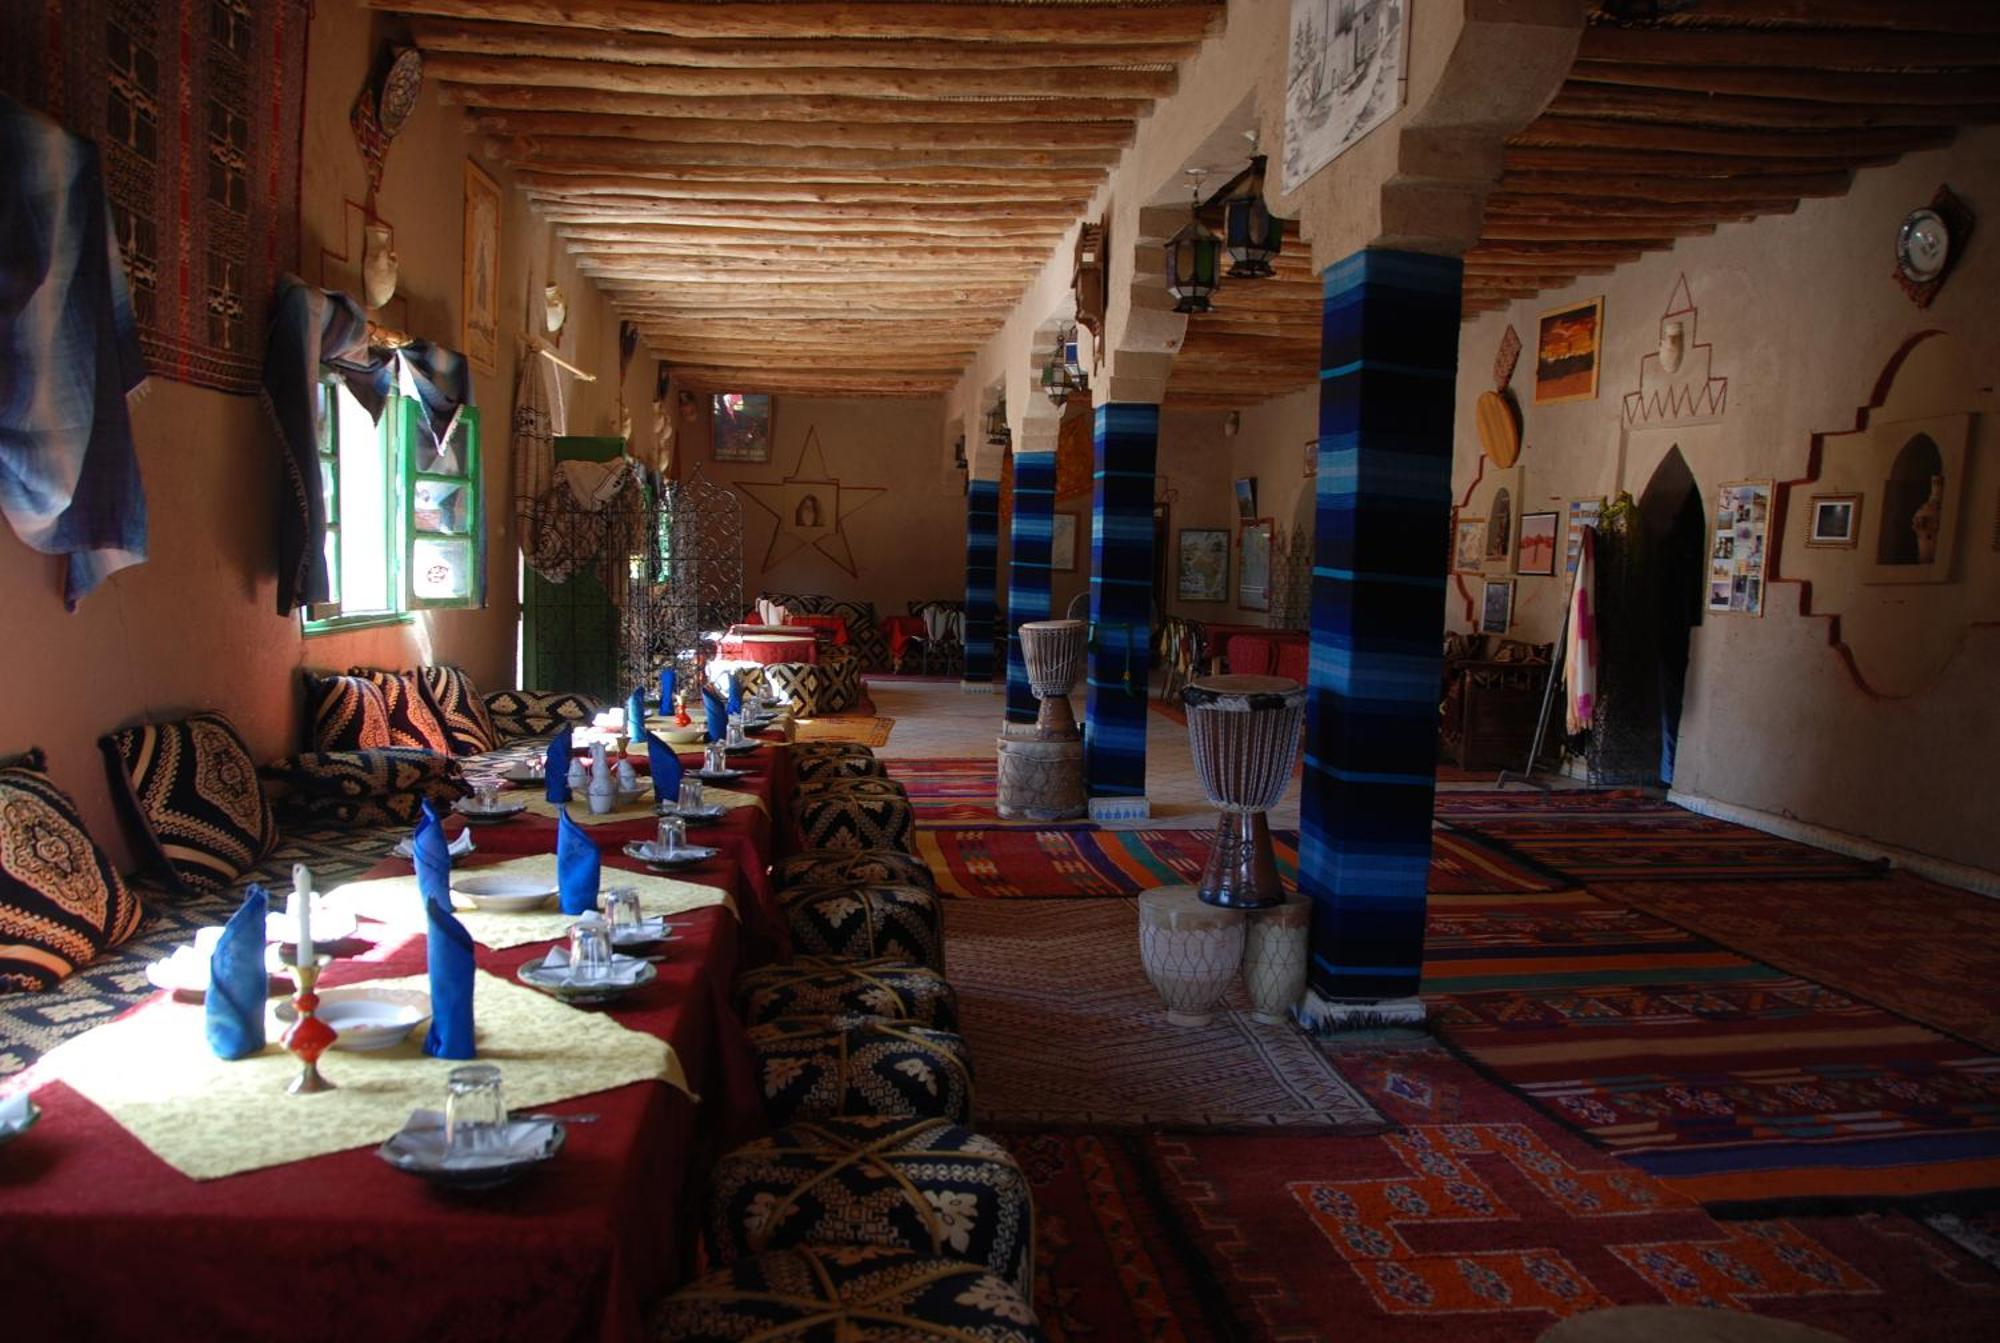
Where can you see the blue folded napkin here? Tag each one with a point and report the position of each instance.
(432, 856)
(237, 982)
(666, 767)
(718, 716)
(448, 952)
(735, 702)
(667, 684)
(577, 866)
(635, 711)
(557, 769)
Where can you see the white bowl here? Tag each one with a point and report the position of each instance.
(367, 1018)
(503, 894)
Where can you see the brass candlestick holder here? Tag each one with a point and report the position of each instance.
(308, 1036)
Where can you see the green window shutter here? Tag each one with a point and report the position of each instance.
(443, 518)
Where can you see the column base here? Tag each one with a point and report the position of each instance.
(1119, 809)
(1331, 1016)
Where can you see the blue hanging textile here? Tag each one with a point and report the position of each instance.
(314, 331)
(69, 354)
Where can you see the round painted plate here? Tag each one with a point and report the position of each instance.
(1499, 429)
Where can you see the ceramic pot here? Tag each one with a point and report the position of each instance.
(379, 266)
(1190, 951)
(1274, 958)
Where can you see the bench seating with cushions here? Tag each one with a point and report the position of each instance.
(864, 633)
(1492, 695)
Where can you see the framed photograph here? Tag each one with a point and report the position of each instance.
(1496, 606)
(479, 301)
(1253, 570)
(1204, 569)
(1567, 342)
(1062, 544)
(1535, 554)
(740, 427)
(1246, 498)
(1834, 521)
(1468, 550)
(1737, 553)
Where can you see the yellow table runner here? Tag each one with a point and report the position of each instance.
(579, 809)
(397, 902)
(152, 1072)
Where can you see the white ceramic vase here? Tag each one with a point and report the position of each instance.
(379, 265)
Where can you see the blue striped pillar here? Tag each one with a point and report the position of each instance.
(982, 564)
(1388, 362)
(1028, 569)
(1125, 440)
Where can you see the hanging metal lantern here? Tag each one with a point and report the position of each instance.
(1079, 377)
(997, 431)
(1194, 260)
(1252, 234)
(1055, 380)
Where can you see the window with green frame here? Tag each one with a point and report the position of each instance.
(403, 513)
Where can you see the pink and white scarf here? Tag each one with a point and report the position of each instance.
(1580, 644)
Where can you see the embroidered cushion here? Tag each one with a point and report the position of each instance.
(838, 867)
(193, 788)
(840, 684)
(799, 686)
(537, 713)
(460, 711)
(914, 1184)
(61, 900)
(853, 1293)
(345, 713)
(813, 750)
(412, 722)
(843, 821)
(848, 785)
(838, 766)
(819, 1068)
(359, 788)
(813, 986)
(867, 922)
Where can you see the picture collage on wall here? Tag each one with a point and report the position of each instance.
(1739, 552)
(1582, 513)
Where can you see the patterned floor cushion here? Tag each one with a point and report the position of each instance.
(468, 728)
(537, 713)
(363, 788)
(844, 821)
(912, 1184)
(813, 767)
(818, 750)
(412, 722)
(841, 683)
(860, 923)
(813, 986)
(819, 1068)
(193, 789)
(798, 686)
(839, 867)
(345, 713)
(849, 785)
(854, 1294)
(61, 900)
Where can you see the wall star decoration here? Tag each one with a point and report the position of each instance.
(811, 508)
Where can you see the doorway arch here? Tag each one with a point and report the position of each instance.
(1677, 535)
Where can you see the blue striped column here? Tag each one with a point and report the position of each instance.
(1125, 440)
(1388, 360)
(982, 565)
(1028, 569)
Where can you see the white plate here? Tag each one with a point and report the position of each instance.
(720, 775)
(367, 1018)
(505, 811)
(648, 851)
(502, 894)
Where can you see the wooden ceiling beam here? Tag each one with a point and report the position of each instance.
(1674, 107)
(1015, 216)
(1011, 24)
(849, 362)
(1078, 82)
(1047, 134)
(1524, 206)
(1617, 252)
(790, 107)
(1796, 144)
(542, 150)
(926, 186)
(906, 261)
(1644, 234)
(1703, 190)
(1771, 48)
(1819, 86)
(1950, 16)
(666, 220)
(1554, 158)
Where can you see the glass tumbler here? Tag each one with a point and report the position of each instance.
(589, 948)
(673, 834)
(716, 758)
(690, 795)
(474, 1111)
(622, 905)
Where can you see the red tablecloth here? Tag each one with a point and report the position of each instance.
(766, 649)
(833, 625)
(101, 1239)
(900, 630)
(1253, 652)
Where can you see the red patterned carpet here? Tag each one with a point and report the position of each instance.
(1477, 1220)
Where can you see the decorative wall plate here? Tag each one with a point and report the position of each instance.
(400, 87)
(1499, 428)
(1929, 243)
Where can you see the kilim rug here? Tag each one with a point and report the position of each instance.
(1066, 1032)
(1927, 951)
(1474, 1221)
(1598, 836)
(1726, 1078)
(957, 791)
(1088, 862)
(196, 107)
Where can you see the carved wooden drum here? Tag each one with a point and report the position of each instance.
(1190, 951)
(1054, 652)
(1245, 732)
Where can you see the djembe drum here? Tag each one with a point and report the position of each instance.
(1054, 653)
(1245, 731)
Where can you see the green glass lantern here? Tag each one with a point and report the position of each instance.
(1252, 234)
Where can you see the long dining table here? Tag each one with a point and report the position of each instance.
(101, 1238)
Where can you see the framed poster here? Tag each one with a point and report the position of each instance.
(1343, 78)
(1582, 513)
(1246, 498)
(740, 427)
(1834, 521)
(1062, 544)
(1253, 569)
(1204, 568)
(479, 301)
(1567, 341)
(1737, 553)
(1535, 555)
(1496, 606)
(1468, 550)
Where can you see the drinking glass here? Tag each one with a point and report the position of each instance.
(474, 1111)
(589, 948)
(736, 729)
(673, 834)
(622, 903)
(717, 758)
(487, 797)
(690, 795)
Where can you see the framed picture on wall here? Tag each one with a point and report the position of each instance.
(1835, 521)
(1567, 341)
(740, 427)
(1062, 544)
(1737, 553)
(479, 299)
(1204, 568)
(1496, 606)
(1468, 550)
(1253, 568)
(1535, 555)
(1246, 498)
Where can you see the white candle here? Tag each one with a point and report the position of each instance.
(302, 888)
